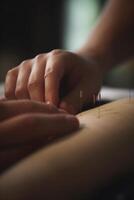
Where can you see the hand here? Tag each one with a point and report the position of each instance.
(66, 79)
(27, 125)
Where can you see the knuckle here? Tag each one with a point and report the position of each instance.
(33, 84)
(39, 57)
(12, 72)
(56, 59)
(56, 52)
(49, 69)
(54, 63)
(25, 62)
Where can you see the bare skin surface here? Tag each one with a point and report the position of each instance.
(101, 150)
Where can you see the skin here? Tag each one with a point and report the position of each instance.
(39, 79)
(18, 119)
(78, 164)
(43, 77)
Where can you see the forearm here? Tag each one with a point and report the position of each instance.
(99, 151)
(111, 41)
(9, 157)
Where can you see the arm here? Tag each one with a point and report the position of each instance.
(111, 41)
(90, 158)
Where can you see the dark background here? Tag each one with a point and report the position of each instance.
(28, 28)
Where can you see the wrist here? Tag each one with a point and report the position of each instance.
(97, 56)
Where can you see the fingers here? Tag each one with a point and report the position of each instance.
(30, 128)
(40, 78)
(21, 90)
(53, 75)
(27, 80)
(12, 108)
(10, 83)
(36, 80)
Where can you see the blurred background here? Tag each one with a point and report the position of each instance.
(31, 27)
